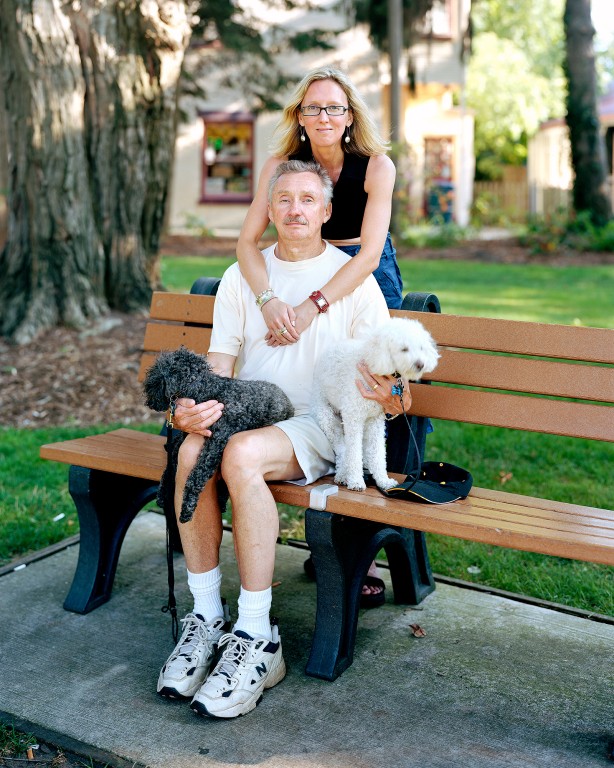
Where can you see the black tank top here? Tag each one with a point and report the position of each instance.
(349, 196)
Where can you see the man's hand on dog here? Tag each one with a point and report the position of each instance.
(196, 418)
(379, 388)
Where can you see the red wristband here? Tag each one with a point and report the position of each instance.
(319, 300)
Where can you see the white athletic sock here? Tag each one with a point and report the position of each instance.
(254, 610)
(205, 588)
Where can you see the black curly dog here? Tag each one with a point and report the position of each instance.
(247, 405)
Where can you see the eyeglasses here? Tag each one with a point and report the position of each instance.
(335, 110)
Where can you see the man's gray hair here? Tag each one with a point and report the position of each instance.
(303, 166)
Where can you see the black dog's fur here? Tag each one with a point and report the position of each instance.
(247, 405)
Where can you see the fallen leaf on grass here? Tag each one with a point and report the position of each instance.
(417, 630)
(505, 476)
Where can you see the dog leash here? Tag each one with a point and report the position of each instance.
(399, 389)
(169, 509)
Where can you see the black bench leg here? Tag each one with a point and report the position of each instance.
(106, 504)
(342, 551)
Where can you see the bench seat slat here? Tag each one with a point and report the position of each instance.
(123, 451)
(513, 506)
(544, 377)
(182, 307)
(456, 519)
(533, 414)
(567, 342)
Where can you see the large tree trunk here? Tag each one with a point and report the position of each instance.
(587, 146)
(90, 97)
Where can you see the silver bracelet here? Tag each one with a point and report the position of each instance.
(262, 298)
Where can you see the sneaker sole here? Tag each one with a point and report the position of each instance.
(168, 692)
(173, 693)
(247, 706)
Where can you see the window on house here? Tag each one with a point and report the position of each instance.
(227, 157)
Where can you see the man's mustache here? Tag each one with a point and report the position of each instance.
(295, 220)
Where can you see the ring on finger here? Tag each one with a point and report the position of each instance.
(375, 386)
(281, 331)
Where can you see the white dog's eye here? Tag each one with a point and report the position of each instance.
(405, 349)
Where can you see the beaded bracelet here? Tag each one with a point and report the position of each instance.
(262, 298)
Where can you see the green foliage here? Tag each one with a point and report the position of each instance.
(486, 211)
(197, 225)
(13, 742)
(247, 50)
(508, 109)
(534, 27)
(434, 235)
(560, 230)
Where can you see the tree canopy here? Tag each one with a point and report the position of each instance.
(515, 77)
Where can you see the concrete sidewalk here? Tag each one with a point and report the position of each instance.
(494, 683)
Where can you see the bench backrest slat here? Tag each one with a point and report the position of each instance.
(182, 307)
(544, 377)
(566, 342)
(534, 414)
(159, 336)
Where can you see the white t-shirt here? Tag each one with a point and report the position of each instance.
(239, 328)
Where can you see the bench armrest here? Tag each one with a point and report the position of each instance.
(421, 302)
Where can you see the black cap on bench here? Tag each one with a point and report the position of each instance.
(439, 483)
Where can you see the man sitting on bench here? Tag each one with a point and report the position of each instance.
(294, 450)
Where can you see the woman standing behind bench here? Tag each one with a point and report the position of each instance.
(327, 120)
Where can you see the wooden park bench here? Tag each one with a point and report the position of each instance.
(524, 376)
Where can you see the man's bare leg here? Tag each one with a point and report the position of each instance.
(203, 627)
(252, 659)
(250, 459)
(201, 537)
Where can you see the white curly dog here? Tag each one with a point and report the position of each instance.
(354, 425)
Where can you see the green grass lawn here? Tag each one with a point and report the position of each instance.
(33, 493)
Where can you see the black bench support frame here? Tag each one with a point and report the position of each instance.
(106, 505)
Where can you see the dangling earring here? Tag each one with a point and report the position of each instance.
(347, 134)
(302, 130)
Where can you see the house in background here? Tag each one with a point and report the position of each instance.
(222, 145)
(549, 169)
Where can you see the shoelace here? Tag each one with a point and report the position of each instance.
(232, 655)
(198, 632)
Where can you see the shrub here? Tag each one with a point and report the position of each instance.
(562, 230)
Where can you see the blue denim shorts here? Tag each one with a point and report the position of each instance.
(387, 274)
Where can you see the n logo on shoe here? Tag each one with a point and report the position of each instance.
(261, 669)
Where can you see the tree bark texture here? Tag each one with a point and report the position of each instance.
(89, 91)
(590, 191)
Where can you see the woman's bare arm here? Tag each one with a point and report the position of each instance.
(379, 185)
(276, 312)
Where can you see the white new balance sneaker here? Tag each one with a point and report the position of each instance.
(248, 665)
(188, 665)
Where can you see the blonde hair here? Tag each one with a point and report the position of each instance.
(365, 139)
